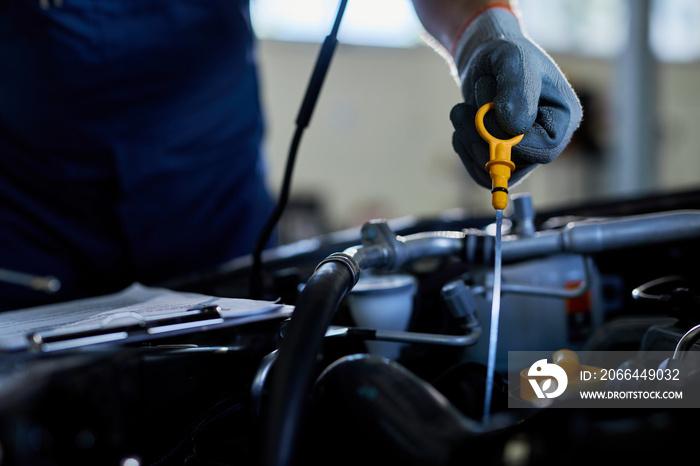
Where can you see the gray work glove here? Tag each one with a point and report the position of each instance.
(498, 63)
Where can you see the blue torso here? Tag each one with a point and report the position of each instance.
(130, 135)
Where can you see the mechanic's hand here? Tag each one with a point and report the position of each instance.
(498, 63)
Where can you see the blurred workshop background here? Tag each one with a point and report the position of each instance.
(379, 141)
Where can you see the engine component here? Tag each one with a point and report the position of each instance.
(418, 425)
(383, 302)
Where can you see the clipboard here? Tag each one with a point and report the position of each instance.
(136, 314)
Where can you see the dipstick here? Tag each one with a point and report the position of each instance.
(500, 167)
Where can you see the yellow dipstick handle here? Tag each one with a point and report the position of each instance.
(499, 164)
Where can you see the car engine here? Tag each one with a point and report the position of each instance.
(370, 345)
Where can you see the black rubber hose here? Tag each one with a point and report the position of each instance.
(386, 413)
(294, 371)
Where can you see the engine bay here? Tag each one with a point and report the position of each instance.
(378, 352)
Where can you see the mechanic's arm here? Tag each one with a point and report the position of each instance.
(497, 62)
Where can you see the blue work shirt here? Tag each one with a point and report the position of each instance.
(130, 136)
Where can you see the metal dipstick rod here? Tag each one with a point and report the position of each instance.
(499, 167)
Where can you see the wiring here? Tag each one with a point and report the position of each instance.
(303, 118)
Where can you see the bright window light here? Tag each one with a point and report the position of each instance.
(675, 30)
(599, 28)
(384, 23)
(596, 28)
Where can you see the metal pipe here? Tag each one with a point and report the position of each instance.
(584, 237)
(427, 338)
(434, 244)
(406, 337)
(392, 251)
(593, 236)
(686, 342)
(368, 257)
(47, 284)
